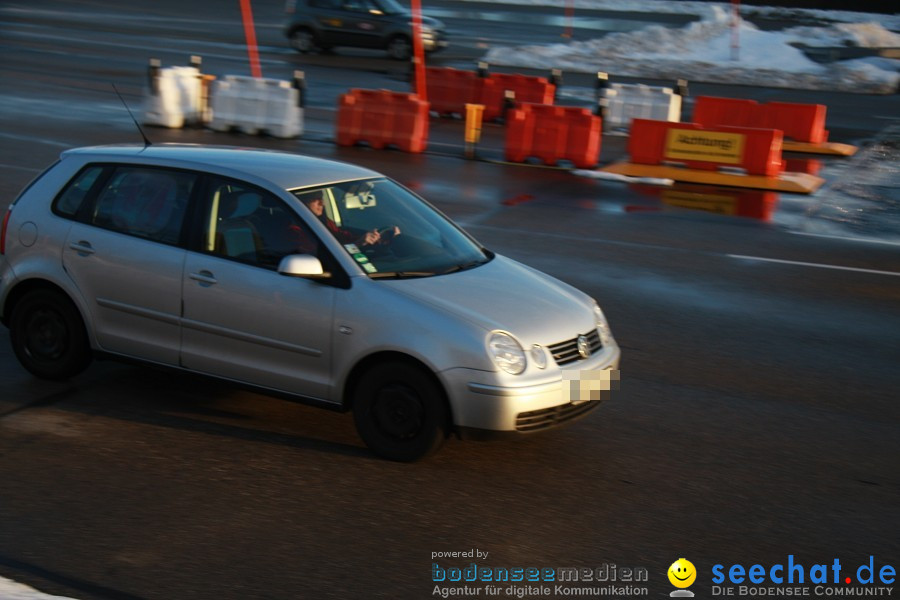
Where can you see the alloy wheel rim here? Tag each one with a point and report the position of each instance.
(398, 411)
(46, 335)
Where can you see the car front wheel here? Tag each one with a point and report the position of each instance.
(48, 335)
(303, 40)
(400, 412)
(399, 47)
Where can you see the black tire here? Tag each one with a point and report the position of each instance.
(400, 47)
(400, 412)
(303, 40)
(48, 335)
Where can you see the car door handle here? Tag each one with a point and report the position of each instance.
(83, 248)
(204, 277)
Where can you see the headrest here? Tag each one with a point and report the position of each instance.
(242, 204)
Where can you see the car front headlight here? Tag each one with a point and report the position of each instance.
(506, 352)
(606, 337)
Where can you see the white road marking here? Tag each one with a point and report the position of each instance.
(470, 224)
(19, 168)
(30, 138)
(816, 265)
(843, 237)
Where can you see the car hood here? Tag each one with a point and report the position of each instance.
(506, 295)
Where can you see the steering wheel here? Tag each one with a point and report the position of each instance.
(385, 230)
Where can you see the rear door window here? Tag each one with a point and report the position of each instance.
(145, 202)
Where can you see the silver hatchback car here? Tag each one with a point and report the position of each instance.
(296, 276)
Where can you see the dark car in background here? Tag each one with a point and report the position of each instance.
(379, 24)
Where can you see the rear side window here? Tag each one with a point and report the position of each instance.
(69, 201)
(144, 202)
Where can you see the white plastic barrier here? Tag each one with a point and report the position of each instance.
(175, 98)
(638, 101)
(254, 105)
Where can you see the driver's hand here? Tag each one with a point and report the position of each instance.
(371, 237)
(396, 231)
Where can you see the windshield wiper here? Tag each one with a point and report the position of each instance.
(401, 274)
(464, 266)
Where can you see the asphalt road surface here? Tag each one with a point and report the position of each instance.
(757, 418)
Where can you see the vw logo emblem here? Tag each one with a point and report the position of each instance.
(584, 348)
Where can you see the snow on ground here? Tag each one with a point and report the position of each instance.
(863, 202)
(693, 7)
(703, 50)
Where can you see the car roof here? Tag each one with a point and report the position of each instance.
(285, 170)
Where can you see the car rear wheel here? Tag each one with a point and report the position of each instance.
(400, 412)
(303, 40)
(48, 335)
(399, 47)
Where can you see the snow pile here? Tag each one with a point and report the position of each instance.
(864, 35)
(891, 22)
(858, 35)
(864, 201)
(700, 8)
(702, 51)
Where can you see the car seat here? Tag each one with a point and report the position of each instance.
(236, 235)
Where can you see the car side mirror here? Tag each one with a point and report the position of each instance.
(302, 265)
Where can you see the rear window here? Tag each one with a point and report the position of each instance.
(70, 199)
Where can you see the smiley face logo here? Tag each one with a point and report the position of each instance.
(682, 573)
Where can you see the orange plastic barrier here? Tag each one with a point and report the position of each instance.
(382, 118)
(449, 90)
(800, 122)
(536, 90)
(553, 133)
(803, 165)
(757, 151)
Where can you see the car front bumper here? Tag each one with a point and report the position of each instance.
(434, 41)
(481, 406)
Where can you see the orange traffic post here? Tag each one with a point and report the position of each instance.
(418, 50)
(474, 113)
(570, 13)
(250, 35)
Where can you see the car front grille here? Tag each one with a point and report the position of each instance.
(567, 352)
(536, 420)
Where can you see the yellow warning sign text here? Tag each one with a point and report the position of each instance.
(711, 146)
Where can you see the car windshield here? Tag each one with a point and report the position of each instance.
(390, 7)
(390, 232)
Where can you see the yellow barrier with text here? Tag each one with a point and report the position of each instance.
(711, 146)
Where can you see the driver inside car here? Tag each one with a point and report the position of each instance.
(345, 236)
